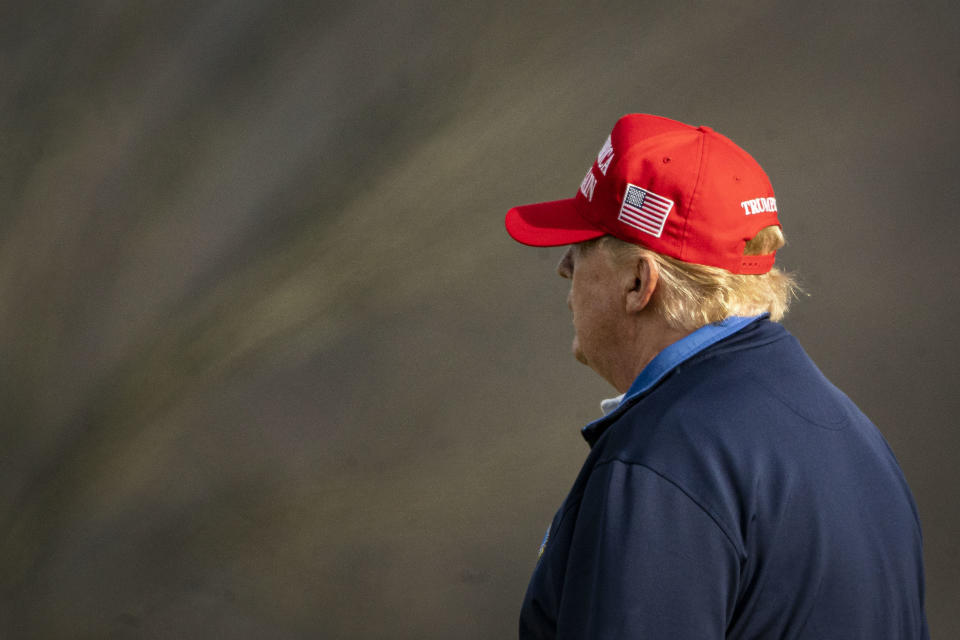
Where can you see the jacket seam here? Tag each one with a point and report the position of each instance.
(710, 514)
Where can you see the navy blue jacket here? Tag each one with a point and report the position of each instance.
(742, 496)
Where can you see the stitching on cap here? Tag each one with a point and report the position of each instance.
(693, 195)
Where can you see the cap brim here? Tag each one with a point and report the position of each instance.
(550, 224)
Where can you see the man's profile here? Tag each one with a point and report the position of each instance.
(731, 491)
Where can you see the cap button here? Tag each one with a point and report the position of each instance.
(705, 129)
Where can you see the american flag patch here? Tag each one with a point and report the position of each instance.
(644, 210)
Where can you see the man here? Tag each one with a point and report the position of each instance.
(731, 491)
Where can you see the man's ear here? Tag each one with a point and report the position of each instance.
(645, 280)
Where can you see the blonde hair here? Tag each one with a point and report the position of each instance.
(690, 296)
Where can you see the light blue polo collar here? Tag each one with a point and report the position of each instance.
(677, 353)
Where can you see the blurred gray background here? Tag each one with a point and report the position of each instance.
(271, 368)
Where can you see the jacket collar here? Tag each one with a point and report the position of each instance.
(665, 362)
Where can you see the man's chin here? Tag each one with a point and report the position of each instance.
(578, 354)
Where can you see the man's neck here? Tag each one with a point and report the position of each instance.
(651, 337)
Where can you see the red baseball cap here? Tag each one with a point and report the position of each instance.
(682, 191)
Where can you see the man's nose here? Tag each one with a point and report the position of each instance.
(565, 266)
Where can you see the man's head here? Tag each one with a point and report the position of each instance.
(672, 228)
